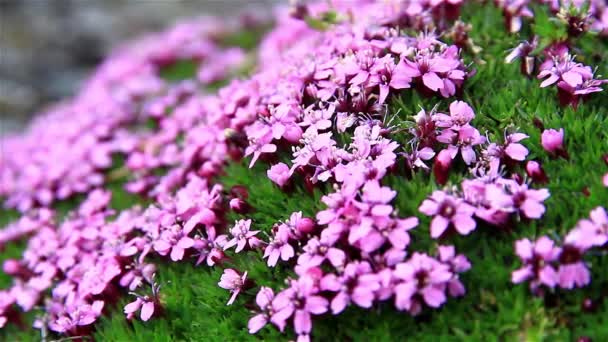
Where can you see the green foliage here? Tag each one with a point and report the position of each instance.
(493, 308)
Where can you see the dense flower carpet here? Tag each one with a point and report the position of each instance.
(343, 170)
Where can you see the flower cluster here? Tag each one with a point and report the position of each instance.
(577, 16)
(421, 280)
(574, 80)
(546, 264)
(67, 148)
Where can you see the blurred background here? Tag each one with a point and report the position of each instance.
(47, 47)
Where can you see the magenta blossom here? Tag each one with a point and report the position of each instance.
(573, 271)
(461, 115)
(233, 281)
(147, 304)
(458, 264)
(553, 141)
(535, 171)
(301, 300)
(175, 241)
(513, 148)
(447, 211)
(242, 236)
(264, 300)
(596, 226)
(356, 284)
(422, 280)
(279, 174)
(537, 258)
(279, 246)
(80, 315)
(463, 140)
(530, 202)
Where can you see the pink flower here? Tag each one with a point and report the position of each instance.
(461, 115)
(596, 225)
(573, 271)
(388, 75)
(441, 167)
(537, 258)
(175, 241)
(528, 201)
(78, 315)
(535, 171)
(356, 284)
(279, 174)
(137, 273)
(318, 250)
(422, 278)
(458, 264)
(209, 248)
(462, 141)
(242, 236)
(553, 141)
(264, 300)
(233, 281)
(279, 246)
(300, 300)
(514, 149)
(448, 211)
(430, 69)
(146, 306)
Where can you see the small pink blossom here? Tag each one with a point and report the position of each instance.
(241, 236)
(279, 174)
(447, 211)
(233, 281)
(535, 171)
(553, 141)
(263, 300)
(421, 279)
(279, 246)
(537, 258)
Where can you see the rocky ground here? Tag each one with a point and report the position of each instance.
(48, 46)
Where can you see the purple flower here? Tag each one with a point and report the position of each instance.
(357, 284)
(279, 174)
(596, 225)
(429, 70)
(553, 141)
(136, 274)
(462, 141)
(535, 171)
(537, 258)
(173, 240)
(513, 148)
(318, 250)
(447, 211)
(422, 279)
(528, 201)
(264, 300)
(388, 75)
(77, 316)
(573, 271)
(279, 246)
(460, 116)
(458, 264)
(300, 300)
(233, 281)
(242, 236)
(141, 303)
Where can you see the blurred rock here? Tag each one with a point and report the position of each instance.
(47, 47)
